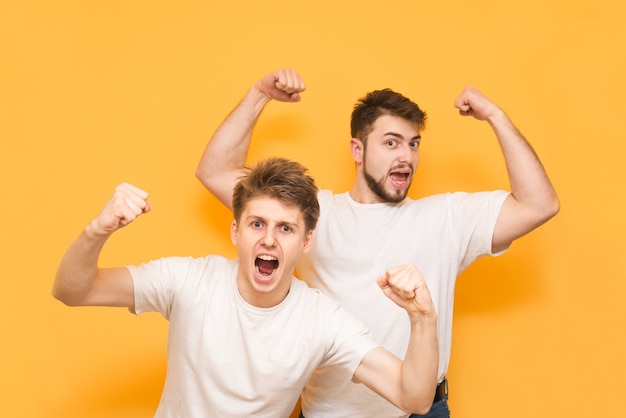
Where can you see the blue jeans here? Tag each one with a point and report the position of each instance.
(439, 410)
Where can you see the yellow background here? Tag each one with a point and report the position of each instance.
(96, 93)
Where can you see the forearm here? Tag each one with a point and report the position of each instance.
(533, 199)
(79, 267)
(408, 384)
(226, 152)
(421, 365)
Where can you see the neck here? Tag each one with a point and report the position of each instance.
(262, 298)
(361, 193)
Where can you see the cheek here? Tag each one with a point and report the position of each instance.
(377, 162)
(292, 248)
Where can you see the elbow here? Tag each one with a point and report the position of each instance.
(64, 297)
(61, 298)
(419, 401)
(201, 175)
(540, 212)
(419, 404)
(556, 206)
(551, 209)
(421, 407)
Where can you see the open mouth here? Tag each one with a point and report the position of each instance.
(399, 176)
(266, 265)
(400, 179)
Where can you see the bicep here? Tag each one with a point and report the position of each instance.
(381, 371)
(514, 221)
(111, 287)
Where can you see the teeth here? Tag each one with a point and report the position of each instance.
(267, 258)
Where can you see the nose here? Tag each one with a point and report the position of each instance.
(268, 238)
(405, 154)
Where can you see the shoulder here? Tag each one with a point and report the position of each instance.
(183, 267)
(482, 198)
(198, 262)
(457, 198)
(324, 196)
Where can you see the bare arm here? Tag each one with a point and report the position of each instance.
(79, 281)
(225, 155)
(533, 200)
(408, 384)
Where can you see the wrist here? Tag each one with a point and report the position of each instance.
(257, 96)
(94, 232)
(497, 117)
(421, 317)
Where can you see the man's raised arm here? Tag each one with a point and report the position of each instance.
(410, 384)
(225, 155)
(79, 281)
(533, 200)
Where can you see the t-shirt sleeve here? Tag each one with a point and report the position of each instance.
(155, 284)
(349, 342)
(473, 219)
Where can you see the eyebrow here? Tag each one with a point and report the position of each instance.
(397, 135)
(253, 217)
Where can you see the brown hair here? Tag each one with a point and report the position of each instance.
(283, 180)
(383, 102)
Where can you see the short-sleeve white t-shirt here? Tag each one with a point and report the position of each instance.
(227, 358)
(354, 243)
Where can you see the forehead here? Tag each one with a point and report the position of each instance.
(395, 124)
(272, 209)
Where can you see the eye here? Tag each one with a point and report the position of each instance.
(286, 228)
(414, 144)
(257, 224)
(391, 143)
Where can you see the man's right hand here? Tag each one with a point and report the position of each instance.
(284, 85)
(406, 286)
(127, 203)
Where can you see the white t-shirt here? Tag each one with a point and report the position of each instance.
(355, 243)
(227, 358)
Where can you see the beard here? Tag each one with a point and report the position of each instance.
(378, 188)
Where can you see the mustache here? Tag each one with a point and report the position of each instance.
(402, 167)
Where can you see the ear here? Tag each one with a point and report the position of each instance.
(233, 232)
(308, 240)
(356, 148)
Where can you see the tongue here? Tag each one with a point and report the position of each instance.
(398, 177)
(266, 267)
